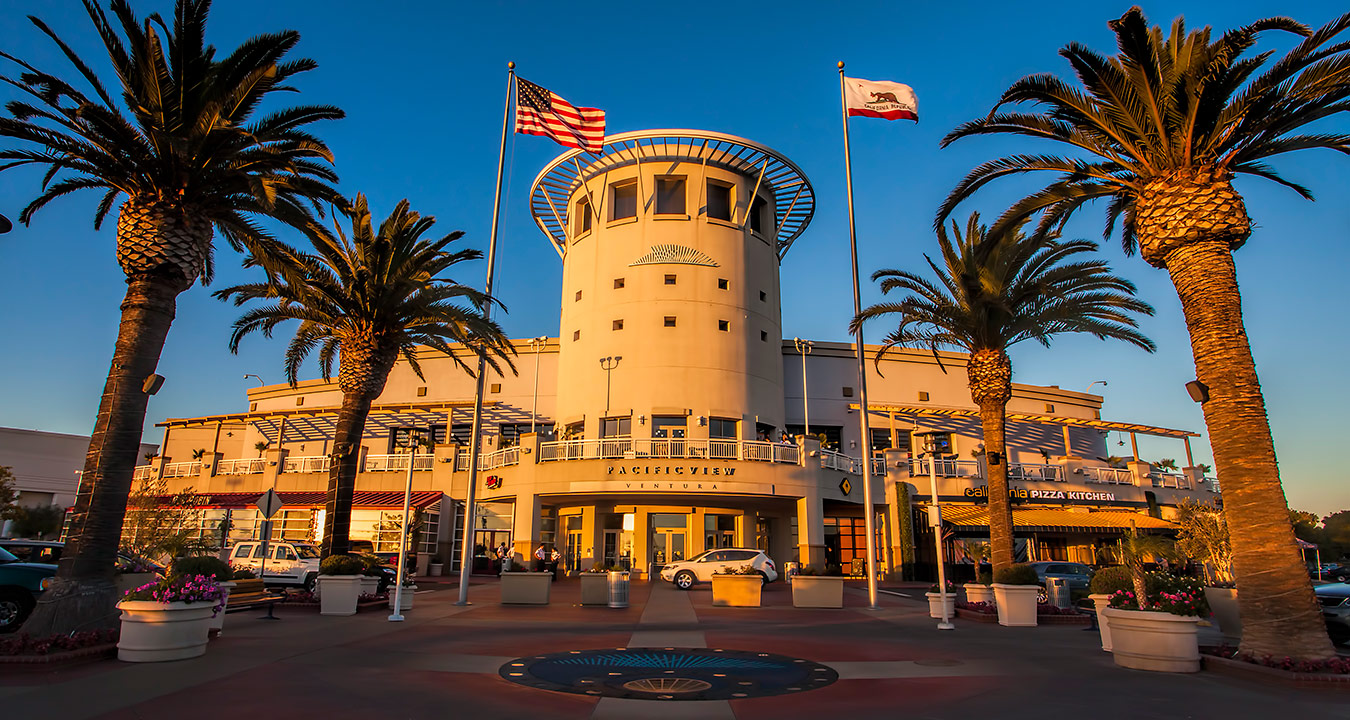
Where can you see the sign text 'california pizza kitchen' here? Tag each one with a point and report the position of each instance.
(1025, 494)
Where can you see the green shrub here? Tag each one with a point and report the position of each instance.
(984, 577)
(208, 565)
(1017, 575)
(243, 573)
(371, 564)
(1109, 581)
(341, 565)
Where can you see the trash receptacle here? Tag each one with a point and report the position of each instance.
(790, 571)
(618, 588)
(1057, 592)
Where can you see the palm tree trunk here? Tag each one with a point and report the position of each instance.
(1280, 614)
(351, 427)
(83, 595)
(1000, 509)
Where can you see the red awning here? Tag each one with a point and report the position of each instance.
(295, 500)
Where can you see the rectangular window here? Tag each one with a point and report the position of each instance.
(723, 325)
(719, 200)
(576, 335)
(1049, 408)
(923, 396)
(881, 439)
(722, 429)
(578, 295)
(583, 217)
(510, 433)
(670, 321)
(829, 435)
(574, 431)
(422, 391)
(624, 202)
(723, 284)
(618, 325)
(763, 336)
(495, 387)
(668, 426)
(763, 296)
(618, 283)
(670, 279)
(670, 196)
(757, 215)
(301, 400)
(616, 427)
(848, 391)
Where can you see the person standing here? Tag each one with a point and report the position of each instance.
(541, 558)
(553, 558)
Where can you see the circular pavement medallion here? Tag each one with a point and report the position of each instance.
(669, 673)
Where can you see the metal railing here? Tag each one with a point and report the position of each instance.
(1170, 480)
(241, 466)
(945, 468)
(142, 472)
(1109, 475)
(667, 448)
(831, 460)
(391, 463)
(500, 458)
(306, 464)
(1035, 472)
(182, 469)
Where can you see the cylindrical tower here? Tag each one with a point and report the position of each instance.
(671, 324)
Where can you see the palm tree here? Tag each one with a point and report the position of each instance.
(367, 301)
(180, 148)
(994, 290)
(1161, 129)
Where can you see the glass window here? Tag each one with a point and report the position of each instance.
(242, 551)
(757, 215)
(668, 426)
(618, 283)
(723, 325)
(258, 551)
(722, 429)
(670, 196)
(669, 321)
(618, 325)
(583, 216)
(741, 555)
(670, 279)
(723, 284)
(714, 557)
(625, 201)
(616, 427)
(307, 552)
(719, 200)
(574, 431)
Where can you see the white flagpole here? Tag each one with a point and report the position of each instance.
(466, 546)
(869, 519)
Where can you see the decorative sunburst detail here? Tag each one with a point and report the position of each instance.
(674, 255)
(673, 685)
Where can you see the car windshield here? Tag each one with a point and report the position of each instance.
(308, 552)
(7, 556)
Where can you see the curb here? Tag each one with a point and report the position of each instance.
(1243, 670)
(61, 659)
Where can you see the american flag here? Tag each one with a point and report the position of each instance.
(540, 112)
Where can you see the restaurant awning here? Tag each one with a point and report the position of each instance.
(962, 517)
(363, 499)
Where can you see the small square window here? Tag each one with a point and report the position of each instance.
(618, 324)
(422, 391)
(723, 284)
(300, 400)
(253, 407)
(848, 391)
(618, 283)
(719, 200)
(578, 295)
(763, 336)
(583, 216)
(670, 279)
(723, 325)
(670, 196)
(923, 396)
(495, 387)
(763, 296)
(625, 201)
(670, 321)
(576, 335)
(1049, 408)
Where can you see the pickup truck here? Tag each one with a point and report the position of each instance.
(288, 563)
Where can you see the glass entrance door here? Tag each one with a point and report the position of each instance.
(667, 546)
(573, 557)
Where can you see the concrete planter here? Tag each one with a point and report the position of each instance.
(736, 590)
(369, 585)
(1223, 602)
(434, 569)
(408, 592)
(595, 588)
(1016, 604)
(1100, 603)
(979, 592)
(819, 591)
(526, 588)
(1157, 641)
(935, 604)
(158, 632)
(218, 622)
(338, 594)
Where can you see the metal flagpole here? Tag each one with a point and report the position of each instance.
(869, 519)
(415, 439)
(466, 546)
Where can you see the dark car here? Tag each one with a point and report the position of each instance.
(20, 585)
(48, 552)
(1332, 573)
(1335, 602)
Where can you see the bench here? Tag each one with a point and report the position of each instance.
(249, 594)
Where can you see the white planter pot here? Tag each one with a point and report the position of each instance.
(1223, 602)
(1016, 604)
(979, 592)
(1100, 603)
(1157, 641)
(407, 603)
(935, 604)
(218, 622)
(339, 594)
(435, 569)
(823, 591)
(526, 588)
(157, 632)
(369, 585)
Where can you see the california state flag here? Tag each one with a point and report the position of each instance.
(880, 99)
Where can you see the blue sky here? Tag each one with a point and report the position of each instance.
(423, 84)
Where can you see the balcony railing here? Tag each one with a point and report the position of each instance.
(1109, 475)
(1028, 472)
(1170, 480)
(831, 460)
(392, 463)
(241, 466)
(666, 448)
(142, 472)
(306, 464)
(500, 458)
(945, 468)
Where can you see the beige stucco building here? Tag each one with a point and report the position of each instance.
(668, 414)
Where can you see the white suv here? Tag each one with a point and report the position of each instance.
(700, 568)
(288, 563)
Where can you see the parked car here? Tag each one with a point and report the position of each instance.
(1332, 573)
(49, 552)
(288, 563)
(700, 568)
(1077, 575)
(1335, 602)
(20, 585)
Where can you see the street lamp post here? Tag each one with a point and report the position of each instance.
(1103, 383)
(608, 364)
(804, 348)
(538, 344)
(260, 380)
(415, 438)
(935, 520)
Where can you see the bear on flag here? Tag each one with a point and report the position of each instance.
(880, 99)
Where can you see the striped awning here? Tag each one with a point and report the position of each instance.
(298, 500)
(967, 517)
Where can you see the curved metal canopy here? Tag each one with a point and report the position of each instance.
(775, 175)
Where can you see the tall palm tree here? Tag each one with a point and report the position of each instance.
(992, 291)
(180, 148)
(1160, 131)
(366, 301)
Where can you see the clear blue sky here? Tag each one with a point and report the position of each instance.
(423, 84)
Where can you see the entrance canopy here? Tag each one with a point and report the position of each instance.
(963, 517)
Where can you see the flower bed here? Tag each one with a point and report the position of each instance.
(1046, 614)
(58, 649)
(1284, 671)
(307, 599)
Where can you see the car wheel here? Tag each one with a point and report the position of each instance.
(1042, 597)
(685, 580)
(310, 579)
(14, 608)
(1341, 577)
(763, 577)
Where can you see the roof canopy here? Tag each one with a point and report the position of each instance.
(321, 423)
(920, 410)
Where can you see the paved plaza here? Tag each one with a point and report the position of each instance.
(446, 661)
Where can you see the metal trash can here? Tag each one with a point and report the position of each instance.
(506, 564)
(790, 570)
(1057, 592)
(618, 588)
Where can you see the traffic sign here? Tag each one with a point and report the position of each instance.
(268, 503)
(845, 486)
